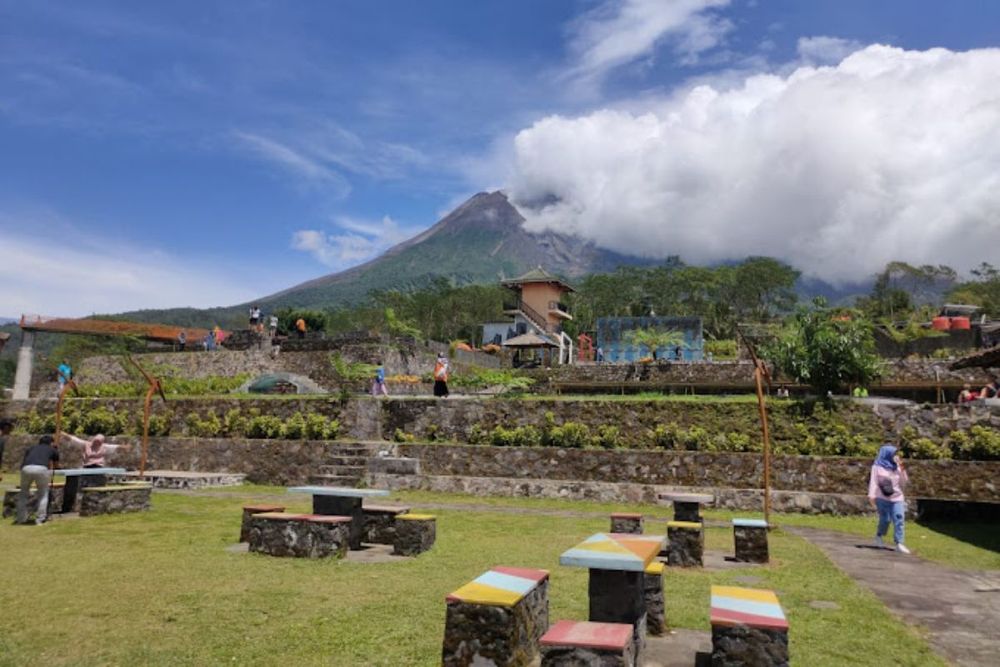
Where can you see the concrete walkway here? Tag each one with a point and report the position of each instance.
(959, 609)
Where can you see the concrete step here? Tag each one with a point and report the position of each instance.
(335, 480)
(341, 470)
(346, 460)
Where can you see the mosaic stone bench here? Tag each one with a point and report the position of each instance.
(95, 500)
(380, 523)
(299, 535)
(748, 628)
(652, 591)
(250, 510)
(497, 619)
(587, 644)
(687, 506)
(10, 500)
(626, 523)
(687, 543)
(415, 534)
(750, 536)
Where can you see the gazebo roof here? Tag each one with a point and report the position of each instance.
(529, 340)
(537, 275)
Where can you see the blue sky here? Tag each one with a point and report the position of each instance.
(203, 153)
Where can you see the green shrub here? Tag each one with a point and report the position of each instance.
(520, 436)
(571, 434)
(402, 436)
(294, 427)
(726, 348)
(35, 423)
(209, 427)
(608, 437)
(158, 424)
(101, 420)
(925, 448)
(478, 435)
(664, 436)
(978, 444)
(315, 426)
(332, 429)
(234, 424)
(264, 426)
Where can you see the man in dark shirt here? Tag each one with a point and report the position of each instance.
(37, 467)
(6, 426)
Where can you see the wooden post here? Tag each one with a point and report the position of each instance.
(757, 374)
(69, 384)
(154, 387)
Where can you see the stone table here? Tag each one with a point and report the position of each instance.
(617, 565)
(341, 501)
(81, 477)
(687, 506)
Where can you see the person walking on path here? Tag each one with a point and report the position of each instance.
(36, 468)
(378, 384)
(272, 325)
(885, 493)
(64, 374)
(441, 376)
(96, 449)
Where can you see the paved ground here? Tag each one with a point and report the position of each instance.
(959, 609)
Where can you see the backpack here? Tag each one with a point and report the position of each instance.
(885, 486)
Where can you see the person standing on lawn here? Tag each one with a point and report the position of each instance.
(36, 468)
(885, 493)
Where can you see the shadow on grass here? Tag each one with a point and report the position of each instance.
(983, 535)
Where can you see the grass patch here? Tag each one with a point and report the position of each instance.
(159, 588)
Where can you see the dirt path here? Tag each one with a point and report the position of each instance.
(959, 609)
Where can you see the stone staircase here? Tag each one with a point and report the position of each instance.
(344, 465)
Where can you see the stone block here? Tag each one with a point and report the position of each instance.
(380, 523)
(748, 628)
(415, 534)
(394, 465)
(687, 544)
(618, 596)
(96, 500)
(299, 535)
(652, 591)
(626, 523)
(10, 500)
(750, 537)
(250, 510)
(497, 619)
(587, 644)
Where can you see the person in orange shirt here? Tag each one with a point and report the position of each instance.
(441, 377)
(300, 327)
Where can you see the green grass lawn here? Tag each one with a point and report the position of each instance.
(160, 588)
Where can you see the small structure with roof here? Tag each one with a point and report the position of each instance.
(538, 311)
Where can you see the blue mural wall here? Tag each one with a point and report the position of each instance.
(611, 338)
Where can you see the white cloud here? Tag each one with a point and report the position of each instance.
(293, 161)
(73, 277)
(358, 240)
(823, 50)
(889, 155)
(618, 32)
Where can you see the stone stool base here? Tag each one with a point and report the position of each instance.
(494, 621)
(687, 544)
(652, 591)
(415, 534)
(250, 510)
(626, 523)
(750, 536)
(587, 644)
(380, 523)
(617, 596)
(740, 645)
(96, 500)
(299, 535)
(10, 500)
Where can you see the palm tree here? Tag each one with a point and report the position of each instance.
(654, 339)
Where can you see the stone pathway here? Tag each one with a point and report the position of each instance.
(959, 609)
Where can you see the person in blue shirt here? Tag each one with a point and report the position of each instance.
(65, 373)
(378, 385)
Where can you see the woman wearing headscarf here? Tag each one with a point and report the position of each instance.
(885, 493)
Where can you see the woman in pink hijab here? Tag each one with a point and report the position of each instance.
(95, 450)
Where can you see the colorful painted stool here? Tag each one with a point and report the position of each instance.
(250, 510)
(687, 544)
(496, 619)
(575, 643)
(748, 628)
(750, 536)
(415, 534)
(624, 522)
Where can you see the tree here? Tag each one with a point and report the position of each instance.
(654, 339)
(826, 349)
(983, 290)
